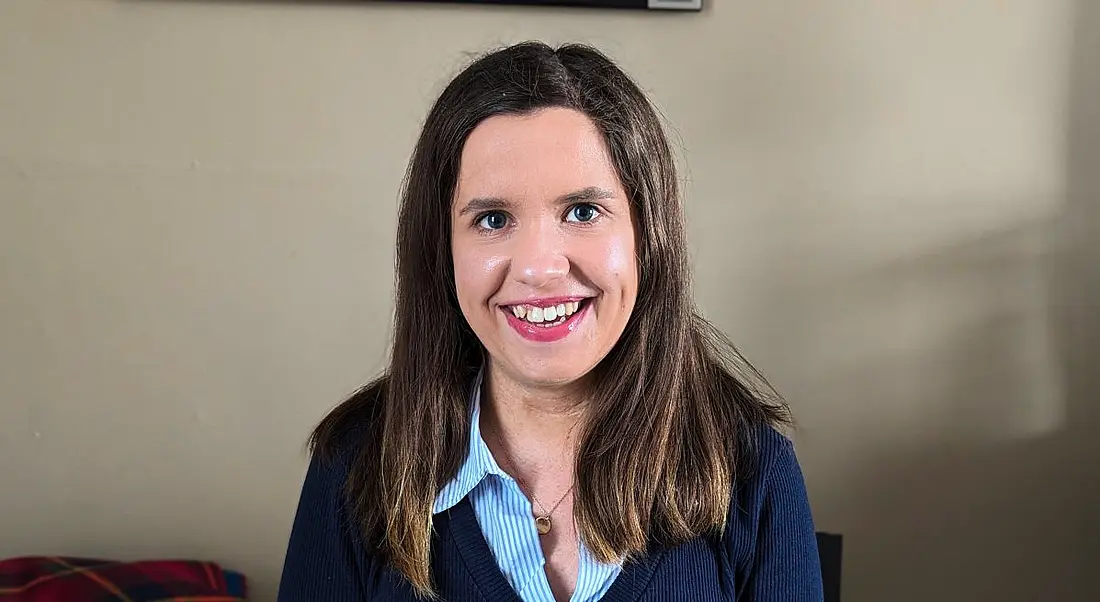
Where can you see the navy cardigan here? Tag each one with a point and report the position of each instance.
(768, 552)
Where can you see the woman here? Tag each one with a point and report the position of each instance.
(556, 422)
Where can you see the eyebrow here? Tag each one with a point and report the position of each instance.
(586, 195)
(493, 203)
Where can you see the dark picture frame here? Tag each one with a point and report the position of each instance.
(663, 5)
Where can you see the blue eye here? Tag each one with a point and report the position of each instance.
(582, 212)
(493, 220)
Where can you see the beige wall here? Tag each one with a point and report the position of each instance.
(893, 208)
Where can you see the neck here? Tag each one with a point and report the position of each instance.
(533, 428)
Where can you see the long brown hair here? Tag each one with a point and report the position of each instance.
(668, 430)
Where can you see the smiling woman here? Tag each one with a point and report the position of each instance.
(557, 422)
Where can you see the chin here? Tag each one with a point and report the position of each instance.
(544, 372)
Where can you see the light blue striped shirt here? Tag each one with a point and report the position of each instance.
(507, 522)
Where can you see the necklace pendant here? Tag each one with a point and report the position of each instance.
(543, 524)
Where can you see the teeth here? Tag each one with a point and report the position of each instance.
(538, 315)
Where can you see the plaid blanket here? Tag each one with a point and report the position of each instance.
(59, 579)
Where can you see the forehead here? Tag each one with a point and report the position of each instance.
(540, 155)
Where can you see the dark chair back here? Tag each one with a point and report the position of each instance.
(829, 548)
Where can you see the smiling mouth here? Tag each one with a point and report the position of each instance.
(547, 316)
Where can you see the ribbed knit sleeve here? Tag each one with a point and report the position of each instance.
(784, 565)
(324, 560)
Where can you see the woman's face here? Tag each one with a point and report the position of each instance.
(543, 246)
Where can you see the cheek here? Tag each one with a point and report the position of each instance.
(621, 262)
(620, 259)
(477, 277)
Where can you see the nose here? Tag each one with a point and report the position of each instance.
(538, 257)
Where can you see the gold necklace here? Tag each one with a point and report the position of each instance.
(543, 522)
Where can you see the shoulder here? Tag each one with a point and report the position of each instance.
(326, 557)
(766, 451)
(343, 436)
(338, 446)
(768, 471)
(769, 463)
(770, 518)
(341, 465)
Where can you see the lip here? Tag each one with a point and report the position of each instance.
(543, 334)
(545, 301)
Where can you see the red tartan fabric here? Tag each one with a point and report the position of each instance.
(60, 579)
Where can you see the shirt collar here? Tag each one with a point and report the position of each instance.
(479, 461)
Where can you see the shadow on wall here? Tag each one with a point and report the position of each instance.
(964, 466)
(938, 508)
